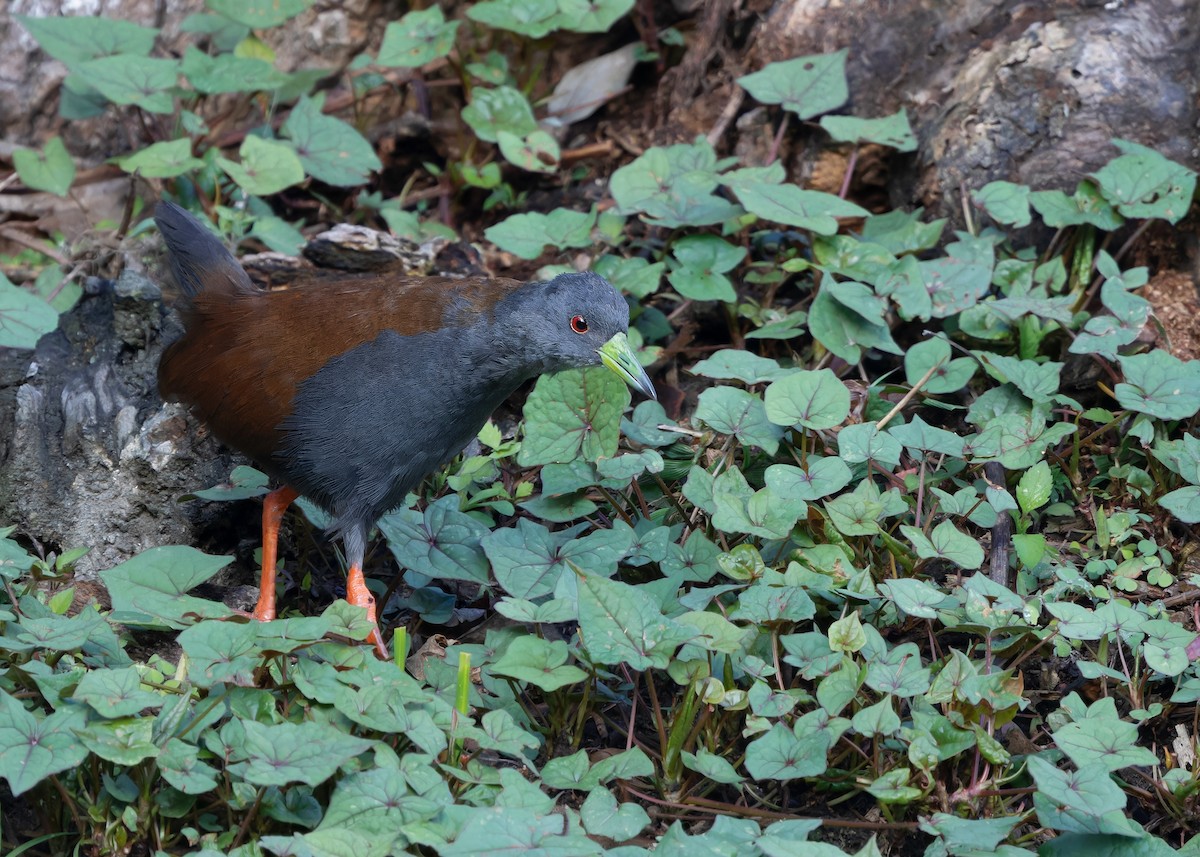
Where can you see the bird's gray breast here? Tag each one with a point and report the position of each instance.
(373, 421)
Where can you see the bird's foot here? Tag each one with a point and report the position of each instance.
(358, 595)
(381, 648)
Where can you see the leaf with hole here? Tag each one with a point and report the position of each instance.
(419, 37)
(1144, 184)
(1085, 207)
(329, 149)
(808, 85)
(536, 152)
(503, 108)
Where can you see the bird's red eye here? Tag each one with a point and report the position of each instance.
(579, 324)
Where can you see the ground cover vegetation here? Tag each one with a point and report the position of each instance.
(914, 574)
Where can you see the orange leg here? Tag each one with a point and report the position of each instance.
(274, 505)
(358, 595)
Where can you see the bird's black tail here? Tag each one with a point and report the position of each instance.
(199, 261)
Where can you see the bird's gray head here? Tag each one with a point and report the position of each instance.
(572, 321)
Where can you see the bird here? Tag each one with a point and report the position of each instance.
(350, 390)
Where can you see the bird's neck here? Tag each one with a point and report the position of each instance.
(499, 367)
